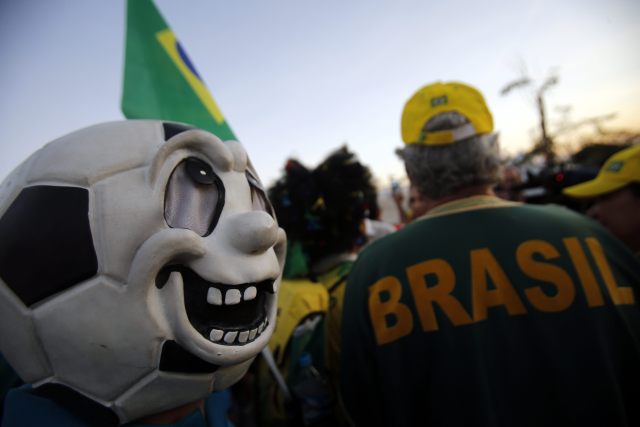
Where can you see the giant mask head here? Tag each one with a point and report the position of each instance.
(139, 267)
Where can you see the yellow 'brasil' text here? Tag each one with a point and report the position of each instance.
(484, 266)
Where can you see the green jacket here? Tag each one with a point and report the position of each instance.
(491, 313)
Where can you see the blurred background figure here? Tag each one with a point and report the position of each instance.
(417, 202)
(417, 206)
(323, 210)
(615, 193)
(508, 187)
(329, 214)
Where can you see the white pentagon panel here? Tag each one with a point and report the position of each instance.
(86, 330)
(114, 147)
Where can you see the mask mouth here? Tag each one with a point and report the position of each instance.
(222, 313)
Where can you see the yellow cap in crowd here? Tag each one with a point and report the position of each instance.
(619, 170)
(437, 98)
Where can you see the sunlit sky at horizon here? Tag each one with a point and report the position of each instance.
(301, 78)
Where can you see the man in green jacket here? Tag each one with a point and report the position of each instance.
(487, 312)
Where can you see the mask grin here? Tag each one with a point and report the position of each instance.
(222, 313)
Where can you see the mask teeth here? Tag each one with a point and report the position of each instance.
(237, 337)
(235, 295)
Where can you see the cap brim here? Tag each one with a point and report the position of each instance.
(594, 188)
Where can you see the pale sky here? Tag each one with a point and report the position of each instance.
(300, 77)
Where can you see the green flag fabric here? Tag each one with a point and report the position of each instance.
(160, 82)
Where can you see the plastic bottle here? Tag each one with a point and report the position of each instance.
(314, 393)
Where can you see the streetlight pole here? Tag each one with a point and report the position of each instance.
(546, 140)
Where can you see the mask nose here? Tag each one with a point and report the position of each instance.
(253, 232)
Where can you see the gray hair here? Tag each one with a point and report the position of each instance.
(441, 170)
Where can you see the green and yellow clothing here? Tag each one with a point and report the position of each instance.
(308, 321)
(493, 313)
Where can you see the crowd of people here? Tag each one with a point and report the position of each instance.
(487, 311)
(484, 310)
(477, 309)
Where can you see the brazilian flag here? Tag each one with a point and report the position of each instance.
(160, 82)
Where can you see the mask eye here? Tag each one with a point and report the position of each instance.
(194, 197)
(259, 200)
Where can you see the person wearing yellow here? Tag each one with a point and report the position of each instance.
(324, 212)
(616, 196)
(483, 311)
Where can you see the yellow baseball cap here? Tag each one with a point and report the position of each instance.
(619, 170)
(438, 98)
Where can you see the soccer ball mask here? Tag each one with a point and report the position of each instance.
(139, 267)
